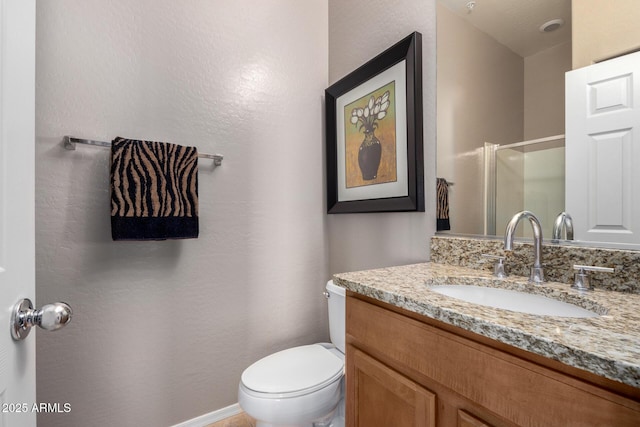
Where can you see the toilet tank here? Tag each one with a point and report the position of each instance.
(336, 305)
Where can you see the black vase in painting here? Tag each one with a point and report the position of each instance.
(369, 156)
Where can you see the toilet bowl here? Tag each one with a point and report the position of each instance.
(300, 386)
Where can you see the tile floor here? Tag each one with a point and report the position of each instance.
(240, 420)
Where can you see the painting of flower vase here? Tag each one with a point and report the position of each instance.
(370, 138)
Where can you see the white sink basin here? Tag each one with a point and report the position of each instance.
(513, 300)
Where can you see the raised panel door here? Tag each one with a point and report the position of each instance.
(381, 397)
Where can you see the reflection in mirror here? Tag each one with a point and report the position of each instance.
(501, 86)
(528, 175)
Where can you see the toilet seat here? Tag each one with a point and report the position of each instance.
(293, 372)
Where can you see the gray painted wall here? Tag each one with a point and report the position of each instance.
(163, 330)
(358, 31)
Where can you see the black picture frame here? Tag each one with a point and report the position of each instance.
(402, 61)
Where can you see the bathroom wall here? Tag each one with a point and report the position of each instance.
(162, 330)
(358, 31)
(480, 99)
(544, 91)
(602, 29)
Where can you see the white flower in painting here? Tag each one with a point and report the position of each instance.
(374, 110)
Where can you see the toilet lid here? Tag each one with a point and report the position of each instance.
(293, 370)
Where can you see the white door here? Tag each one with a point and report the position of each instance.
(17, 252)
(603, 150)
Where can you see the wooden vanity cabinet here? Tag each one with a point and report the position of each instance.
(406, 370)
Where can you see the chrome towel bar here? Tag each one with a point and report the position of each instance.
(70, 144)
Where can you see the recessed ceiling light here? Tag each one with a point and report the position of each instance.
(552, 25)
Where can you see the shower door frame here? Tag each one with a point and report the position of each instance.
(490, 177)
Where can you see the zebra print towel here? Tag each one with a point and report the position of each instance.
(154, 190)
(442, 209)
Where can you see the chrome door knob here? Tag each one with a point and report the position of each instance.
(50, 317)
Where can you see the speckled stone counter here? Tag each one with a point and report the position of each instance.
(607, 345)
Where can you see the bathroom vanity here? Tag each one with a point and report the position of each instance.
(418, 358)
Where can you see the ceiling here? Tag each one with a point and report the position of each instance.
(516, 23)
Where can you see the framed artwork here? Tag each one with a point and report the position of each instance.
(374, 134)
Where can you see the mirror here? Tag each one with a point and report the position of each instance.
(501, 66)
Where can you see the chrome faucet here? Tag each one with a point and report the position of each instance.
(563, 221)
(537, 273)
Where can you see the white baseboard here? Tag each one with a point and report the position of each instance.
(211, 417)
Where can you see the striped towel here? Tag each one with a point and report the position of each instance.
(154, 190)
(442, 207)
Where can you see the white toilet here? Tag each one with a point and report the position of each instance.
(301, 386)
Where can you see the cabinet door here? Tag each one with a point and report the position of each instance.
(378, 396)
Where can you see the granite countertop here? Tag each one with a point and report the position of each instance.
(607, 345)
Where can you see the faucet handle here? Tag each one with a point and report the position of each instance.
(582, 280)
(498, 267)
